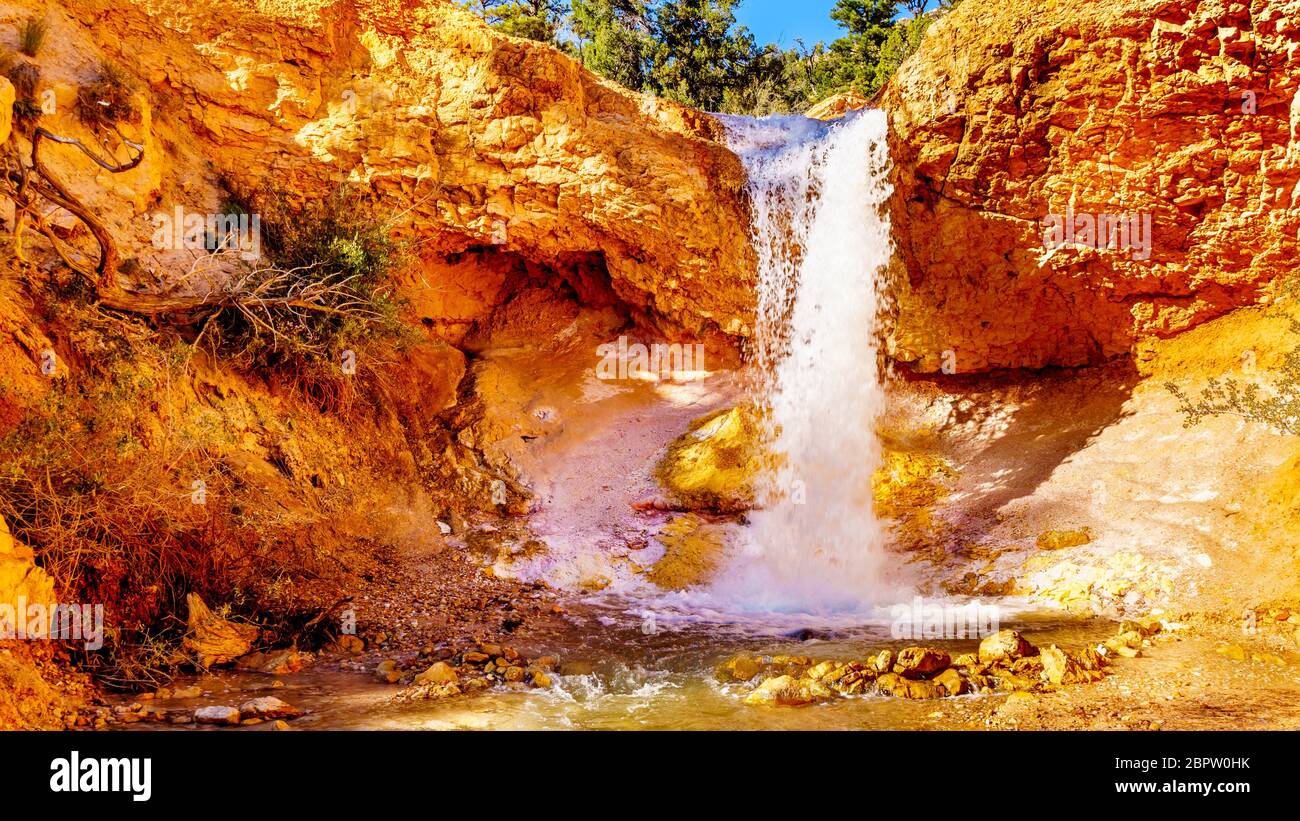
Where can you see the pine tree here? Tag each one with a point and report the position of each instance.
(700, 53)
(614, 39)
(535, 19)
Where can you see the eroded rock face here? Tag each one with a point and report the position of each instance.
(1010, 112)
(481, 141)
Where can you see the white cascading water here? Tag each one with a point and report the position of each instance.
(822, 236)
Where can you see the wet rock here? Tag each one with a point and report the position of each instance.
(853, 682)
(514, 674)
(216, 715)
(951, 682)
(694, 550)
(787, 691)
(821, 670)
(884, 661)
(438, 673)
(740, 668)
(431, 692)
(387, 671)
(895, 685)
(919, 662)
(273, 663)
(349, 645)
(193, 691)
(540, 679)
(475, 657)
(280, 726)
(1005, 645)
(269, 707)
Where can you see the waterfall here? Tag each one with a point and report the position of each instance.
(821, 233)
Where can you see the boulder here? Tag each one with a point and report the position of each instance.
(274, 662)
(440, 673)
(268, 707)
(216, 715)
(1005, 645)
(920, 662)
(740, 668)
(951, 681)
(787, 691)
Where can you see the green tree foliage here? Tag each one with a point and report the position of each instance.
(694, 52)
(700, 53)
(535, 19)
(614, 39)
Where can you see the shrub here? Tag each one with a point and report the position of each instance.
(108, 98)
(26, 111)
(109, 513)
(1279, 409)
(26, 77)
(324, 288)
(31, 35)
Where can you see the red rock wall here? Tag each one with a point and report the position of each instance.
(1014, 110)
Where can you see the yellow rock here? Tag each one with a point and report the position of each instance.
(442, 673)
(1057, 539)
(713, 465)
(20, 578)
(6, 109)
(740, 668)
(783, 691)
(693, 552)
(909, 481)
(1233, 651)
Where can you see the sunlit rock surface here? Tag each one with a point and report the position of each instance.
(1013, 111)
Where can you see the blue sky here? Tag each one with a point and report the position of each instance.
(781, 21)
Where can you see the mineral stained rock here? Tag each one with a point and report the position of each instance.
(498, 148)
(1010, 112)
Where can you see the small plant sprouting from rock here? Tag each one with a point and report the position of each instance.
(26, 79)
(31, 35)
(1278, 408)
(107, 99)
